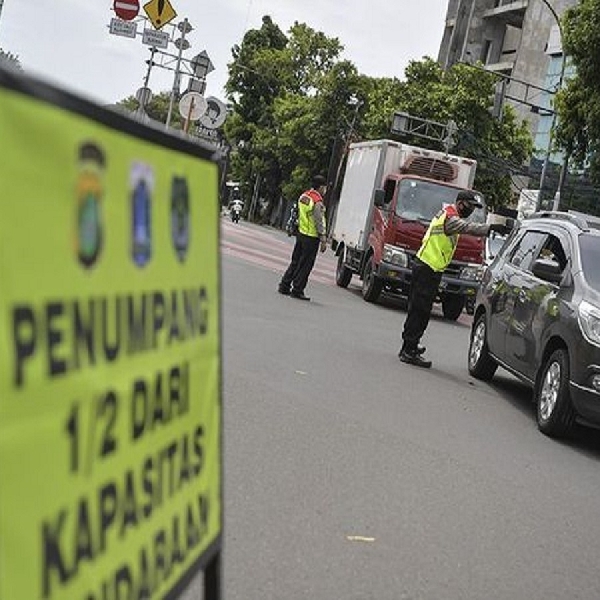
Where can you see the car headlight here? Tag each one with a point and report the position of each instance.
(472, 272)
(395, 256)
(589, 322)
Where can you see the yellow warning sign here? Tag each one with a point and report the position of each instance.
(160, 12)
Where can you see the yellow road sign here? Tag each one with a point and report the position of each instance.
(160, 12)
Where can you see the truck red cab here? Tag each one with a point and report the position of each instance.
(390, 193)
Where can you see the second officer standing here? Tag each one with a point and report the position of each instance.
(310, 237)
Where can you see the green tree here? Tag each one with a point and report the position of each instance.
(384, 97)
(578, 104)
(310, 56)
(279, 128)
(257, 75)
(10, 59)
(315, 127)
(157, 108)
(462, 94)
(296, 107)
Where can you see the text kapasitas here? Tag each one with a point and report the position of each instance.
(83, 531)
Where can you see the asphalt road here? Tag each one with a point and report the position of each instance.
(349, 475)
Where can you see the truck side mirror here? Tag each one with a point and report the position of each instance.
(379, 198)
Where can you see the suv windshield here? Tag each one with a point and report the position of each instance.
(422, 200)
(589, 245)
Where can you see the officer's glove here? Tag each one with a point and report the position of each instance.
(500, 228)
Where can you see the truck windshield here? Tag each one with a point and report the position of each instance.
(421, 200)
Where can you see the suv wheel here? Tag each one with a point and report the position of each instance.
(555, 412)
(481, 364)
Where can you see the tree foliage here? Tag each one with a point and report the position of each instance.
(297, 104)
(284, 91)
(462, 94)
(157, 109)
(578, 104)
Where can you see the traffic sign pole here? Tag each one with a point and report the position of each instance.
(189, 116)
(175, 91)
(150, 65)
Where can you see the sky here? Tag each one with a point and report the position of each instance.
(68, 41)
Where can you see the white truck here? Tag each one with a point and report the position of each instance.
(390, 193)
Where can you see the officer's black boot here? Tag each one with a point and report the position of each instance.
(413, 357)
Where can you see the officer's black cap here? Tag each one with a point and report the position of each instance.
(470, 198)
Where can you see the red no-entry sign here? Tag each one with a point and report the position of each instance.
(127, 9)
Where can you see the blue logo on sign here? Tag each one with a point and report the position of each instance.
(141, 215)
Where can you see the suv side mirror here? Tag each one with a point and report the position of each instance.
(379, 198)
(548, 270)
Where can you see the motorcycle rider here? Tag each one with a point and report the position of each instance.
(235, 209)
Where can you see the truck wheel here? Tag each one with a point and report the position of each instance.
(555, 412)
(481, 364)
(343, 274)
(371, 285)
(452, 306)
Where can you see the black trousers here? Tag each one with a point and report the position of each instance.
(303, 260)
(423, 290)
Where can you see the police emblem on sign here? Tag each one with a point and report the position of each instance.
(180, 216)
(90, 191)
(142, 185)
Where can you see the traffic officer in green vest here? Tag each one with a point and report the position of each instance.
(311, 236)
(434, 255)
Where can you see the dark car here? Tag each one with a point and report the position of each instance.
(537, 314)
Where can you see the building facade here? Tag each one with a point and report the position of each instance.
(516, 38)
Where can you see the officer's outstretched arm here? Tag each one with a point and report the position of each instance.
(455, 225)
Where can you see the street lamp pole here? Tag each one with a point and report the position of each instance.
(553, 122)
(342, 140)
(357, 103)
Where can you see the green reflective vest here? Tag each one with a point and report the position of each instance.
(306, 223)
(437, 248)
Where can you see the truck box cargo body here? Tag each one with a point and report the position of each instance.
(390, 193)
